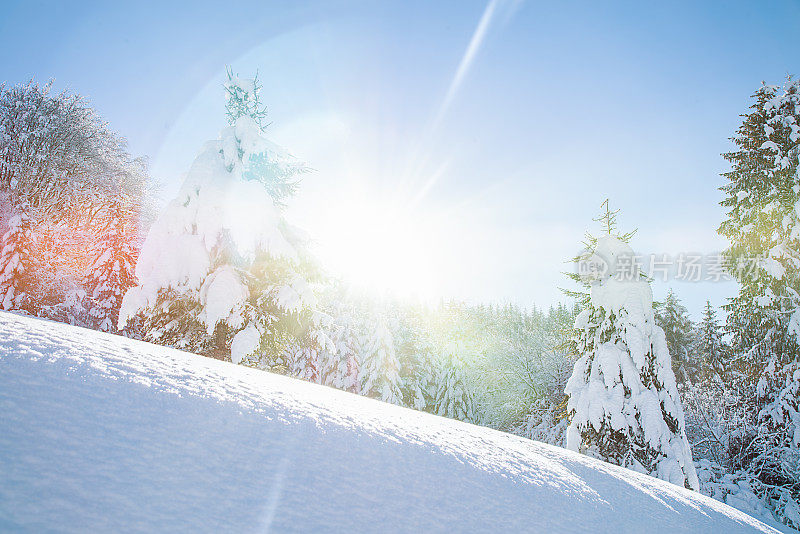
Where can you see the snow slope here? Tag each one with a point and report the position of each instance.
(102, 433)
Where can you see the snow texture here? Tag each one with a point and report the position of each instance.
(102, 433)
(245, 343)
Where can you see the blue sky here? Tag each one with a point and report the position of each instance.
(469, 144)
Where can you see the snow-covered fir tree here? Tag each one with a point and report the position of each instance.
(350, 317)
(379, 371)
(221, 270)
(414, 349)
(310, 357)
(112, 273)
(709, 344)
(453, 395)
(420, 381)
(341, 367)
(336, 325)
(623, 400)
(16, 262)
(673, 318)
(762, 224)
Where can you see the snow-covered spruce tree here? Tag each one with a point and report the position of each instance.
(420, 379)
(379, 366)
(673, 318)
(309, 357)
(586, 267)
(453, 394)
(221, 269)
(709, 345)
(413, 349)
(623, 400)
(112, 273)
(15, 263)
(341, 366)
(326, 349)
(762, 194)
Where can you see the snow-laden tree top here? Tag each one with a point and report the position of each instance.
(617, 283)
(243, 99)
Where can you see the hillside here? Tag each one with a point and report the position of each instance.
(101, 433)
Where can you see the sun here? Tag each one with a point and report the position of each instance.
(383, 247)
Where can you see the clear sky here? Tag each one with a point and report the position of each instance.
(461, 148)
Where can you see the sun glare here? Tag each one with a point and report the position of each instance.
(383, 248)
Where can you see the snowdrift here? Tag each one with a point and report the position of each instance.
(102, 433)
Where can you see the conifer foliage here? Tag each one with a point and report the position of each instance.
(380, 367)
(16, 262)
(342, 364)
(709, 346)
(454, 397)
(673, 318)
(763, 226)
(221, 271)
(623, 400)
(112, 273)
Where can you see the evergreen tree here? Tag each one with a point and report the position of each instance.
(454, 397)
(420, 381)
(309, 358)
(111, 274)
(221, 268)
(414, 348)
(16, 263)
(342, 364)
(761, 195)
(673, 318)
(379, 370)
(709, 345)
(623, 401)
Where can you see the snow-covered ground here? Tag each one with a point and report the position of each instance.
(101, 433)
